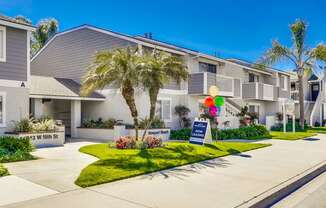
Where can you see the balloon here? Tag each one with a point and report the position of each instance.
(219, 101)
(213, 111)
(213, 91)
(209, 102)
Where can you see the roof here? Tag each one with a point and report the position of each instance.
(15, 23)
(172, 48)
(254, 66)
(51, 87)
(313, 77)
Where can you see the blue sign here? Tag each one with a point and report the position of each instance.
(198, 132)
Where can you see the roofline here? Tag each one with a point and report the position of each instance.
(118, 35)
(17, 25)
(269, 68)
(60, 97)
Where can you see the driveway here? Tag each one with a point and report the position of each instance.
(229, 181)
(57, 168)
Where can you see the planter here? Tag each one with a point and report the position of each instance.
(118, 131)
(43, 139)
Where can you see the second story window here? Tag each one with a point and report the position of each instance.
(253, 77)
(2, 44)
(206, 67)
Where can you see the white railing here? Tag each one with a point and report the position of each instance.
(268, 92)
(230, 110)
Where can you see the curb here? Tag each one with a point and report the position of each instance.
(279, 192)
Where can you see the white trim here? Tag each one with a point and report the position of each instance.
(65, 97)
(4, 95)
(28, 59)
(257, 90)
(205, 84)
(16, 25)
(12, 83)
(173, 92)
(170, 100)
(4, 40)
(124, 37)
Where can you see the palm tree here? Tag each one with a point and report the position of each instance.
(159, 68)
(303, 58)
(45, 29)
(119, 67)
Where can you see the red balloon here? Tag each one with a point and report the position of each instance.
(209, 102)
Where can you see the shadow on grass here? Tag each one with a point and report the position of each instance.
(188, 170)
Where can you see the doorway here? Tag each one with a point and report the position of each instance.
(314, 92)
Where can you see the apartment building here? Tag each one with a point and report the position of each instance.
(14, 71)
(314, 97)
(58, 67)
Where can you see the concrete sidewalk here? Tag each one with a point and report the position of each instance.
(230, 181)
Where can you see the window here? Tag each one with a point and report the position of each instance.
(2, 44)
(205, 67)
(253, 108)
(2, 109)
(163, 109)
(253, 77)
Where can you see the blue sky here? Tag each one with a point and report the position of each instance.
(240, 29)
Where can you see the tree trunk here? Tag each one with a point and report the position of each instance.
(128, 94)
(153, 93)
(301, 100)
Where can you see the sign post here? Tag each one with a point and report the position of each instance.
(201, 132)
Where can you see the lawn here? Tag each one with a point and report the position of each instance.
(290, 135)
(115, 164)
(3, 171)
(319, 130)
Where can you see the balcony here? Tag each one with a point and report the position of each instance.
(199, 84)
(259, 91)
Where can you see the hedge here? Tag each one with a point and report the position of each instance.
(247, 132)
(14, 149)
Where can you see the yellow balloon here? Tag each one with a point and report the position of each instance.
(213, 91)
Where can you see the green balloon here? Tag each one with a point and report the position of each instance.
(219, 101)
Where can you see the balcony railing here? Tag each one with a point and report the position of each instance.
(259, 91)
(199, 84)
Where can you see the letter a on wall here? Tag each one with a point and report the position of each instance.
(201, 132)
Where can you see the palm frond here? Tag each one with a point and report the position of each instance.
(299, 29)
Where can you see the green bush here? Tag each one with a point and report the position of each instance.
(181, 134)
(15, 149)
(3, 171)
(24, 125)
(247, 132)
(157, 123)
(289, 126)
(99, 123)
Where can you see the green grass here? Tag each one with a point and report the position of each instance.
(319, 130)
(290, 135)
(115, 164)
(3, 171)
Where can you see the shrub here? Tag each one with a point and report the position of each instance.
(126, 142)
(181, 134)
(317, 124)
(99, 123)
(157, 123)
(24, 125)
(289, 126)
(15, 149)
(246, 132)
(151, 142)
(3, 171)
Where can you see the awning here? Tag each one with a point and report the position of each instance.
(59, 88)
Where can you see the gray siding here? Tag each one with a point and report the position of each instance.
(69, 55)
(237, 88)
(173, 85)
(196, 83)
(15, 67)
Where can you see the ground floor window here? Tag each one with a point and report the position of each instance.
(2, 109)
(163, 109)
(253, 108)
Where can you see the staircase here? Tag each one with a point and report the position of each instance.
(231, 108)
(315, 115)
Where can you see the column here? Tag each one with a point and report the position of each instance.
(75, 117)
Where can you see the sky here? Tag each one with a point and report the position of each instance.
(227, 28)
